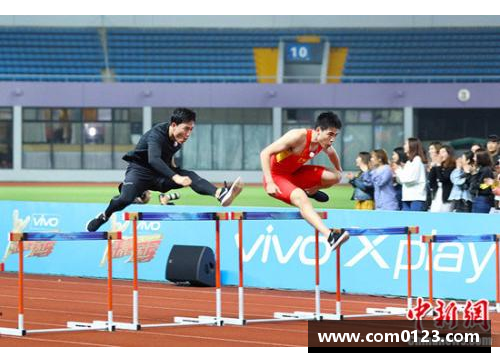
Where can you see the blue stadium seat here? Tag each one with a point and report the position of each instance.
(211, 55)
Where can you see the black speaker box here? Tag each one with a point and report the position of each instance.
(192, 264)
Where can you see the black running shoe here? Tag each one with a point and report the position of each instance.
(95, 224)
(336, 239)
(228, 194)
(319, 196)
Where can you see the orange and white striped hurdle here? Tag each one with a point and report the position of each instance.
(20, 238)
(485, 238)
(178, 321)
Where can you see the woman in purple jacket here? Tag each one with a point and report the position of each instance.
(381, 178)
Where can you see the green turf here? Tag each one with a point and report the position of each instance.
(340, 196)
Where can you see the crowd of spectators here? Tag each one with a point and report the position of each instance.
(436, 181)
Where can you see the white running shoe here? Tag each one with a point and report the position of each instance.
(228, 194)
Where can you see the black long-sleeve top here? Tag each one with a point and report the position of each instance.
(441, 174)
(477, 179)
(155, 150)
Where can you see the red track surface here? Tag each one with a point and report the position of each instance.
(52, 301)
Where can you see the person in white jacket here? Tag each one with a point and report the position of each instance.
(413, 176)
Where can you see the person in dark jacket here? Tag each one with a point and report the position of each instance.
(439, 180)
(460, 195)
(482, 195)
(363, 187)
(152, 167)
(399, 158)
(493, 147)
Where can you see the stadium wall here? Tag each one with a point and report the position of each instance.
(204, 95)
(385, 95)
(277, 254)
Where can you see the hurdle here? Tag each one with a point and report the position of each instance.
(374, 312)
(485, 238)
(178, 321)
(370, 312)
(278, 316)
(20, 238)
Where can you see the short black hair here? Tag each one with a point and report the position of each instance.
(182, 115)
(493, 138)
(328, 119)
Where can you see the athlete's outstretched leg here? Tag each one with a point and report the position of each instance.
(199, 184)
(299, 198)
(225, 194)
(128, 193)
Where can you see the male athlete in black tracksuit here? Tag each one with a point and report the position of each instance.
(151, 167)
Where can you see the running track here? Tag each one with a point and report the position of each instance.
(51, 301)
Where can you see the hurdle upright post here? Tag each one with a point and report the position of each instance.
(241, 302)
(110, 284)
(497, 272)
(338, 293)
(218, 295)
(317, 289)
(411, 231)
(135, 292)
(429, 251)
(20, 318)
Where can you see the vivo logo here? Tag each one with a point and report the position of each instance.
(447, 258)
(149, 225)
(45, 220)
(271, 242)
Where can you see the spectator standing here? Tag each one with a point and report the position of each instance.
(495, 186)
(482, 195)
(412, 176)
(439, 180)
(460, 195)
(434, 159)
(398, 158)
(363, 189)
(475, 147)
(382, 179)
(493, 147)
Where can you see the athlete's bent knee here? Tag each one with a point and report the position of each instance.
(331, 177)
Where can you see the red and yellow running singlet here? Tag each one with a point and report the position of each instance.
(286, 162)
(289, 172)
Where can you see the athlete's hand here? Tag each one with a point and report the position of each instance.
(182, 180)
(272, 188)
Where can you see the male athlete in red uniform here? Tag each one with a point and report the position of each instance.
(288, 179)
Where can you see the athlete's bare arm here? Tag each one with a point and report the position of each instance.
(334, 158)
(290, 141)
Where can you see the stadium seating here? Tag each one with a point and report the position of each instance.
(207, 55)
(50, 54)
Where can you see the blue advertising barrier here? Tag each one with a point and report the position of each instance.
(277, 253)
